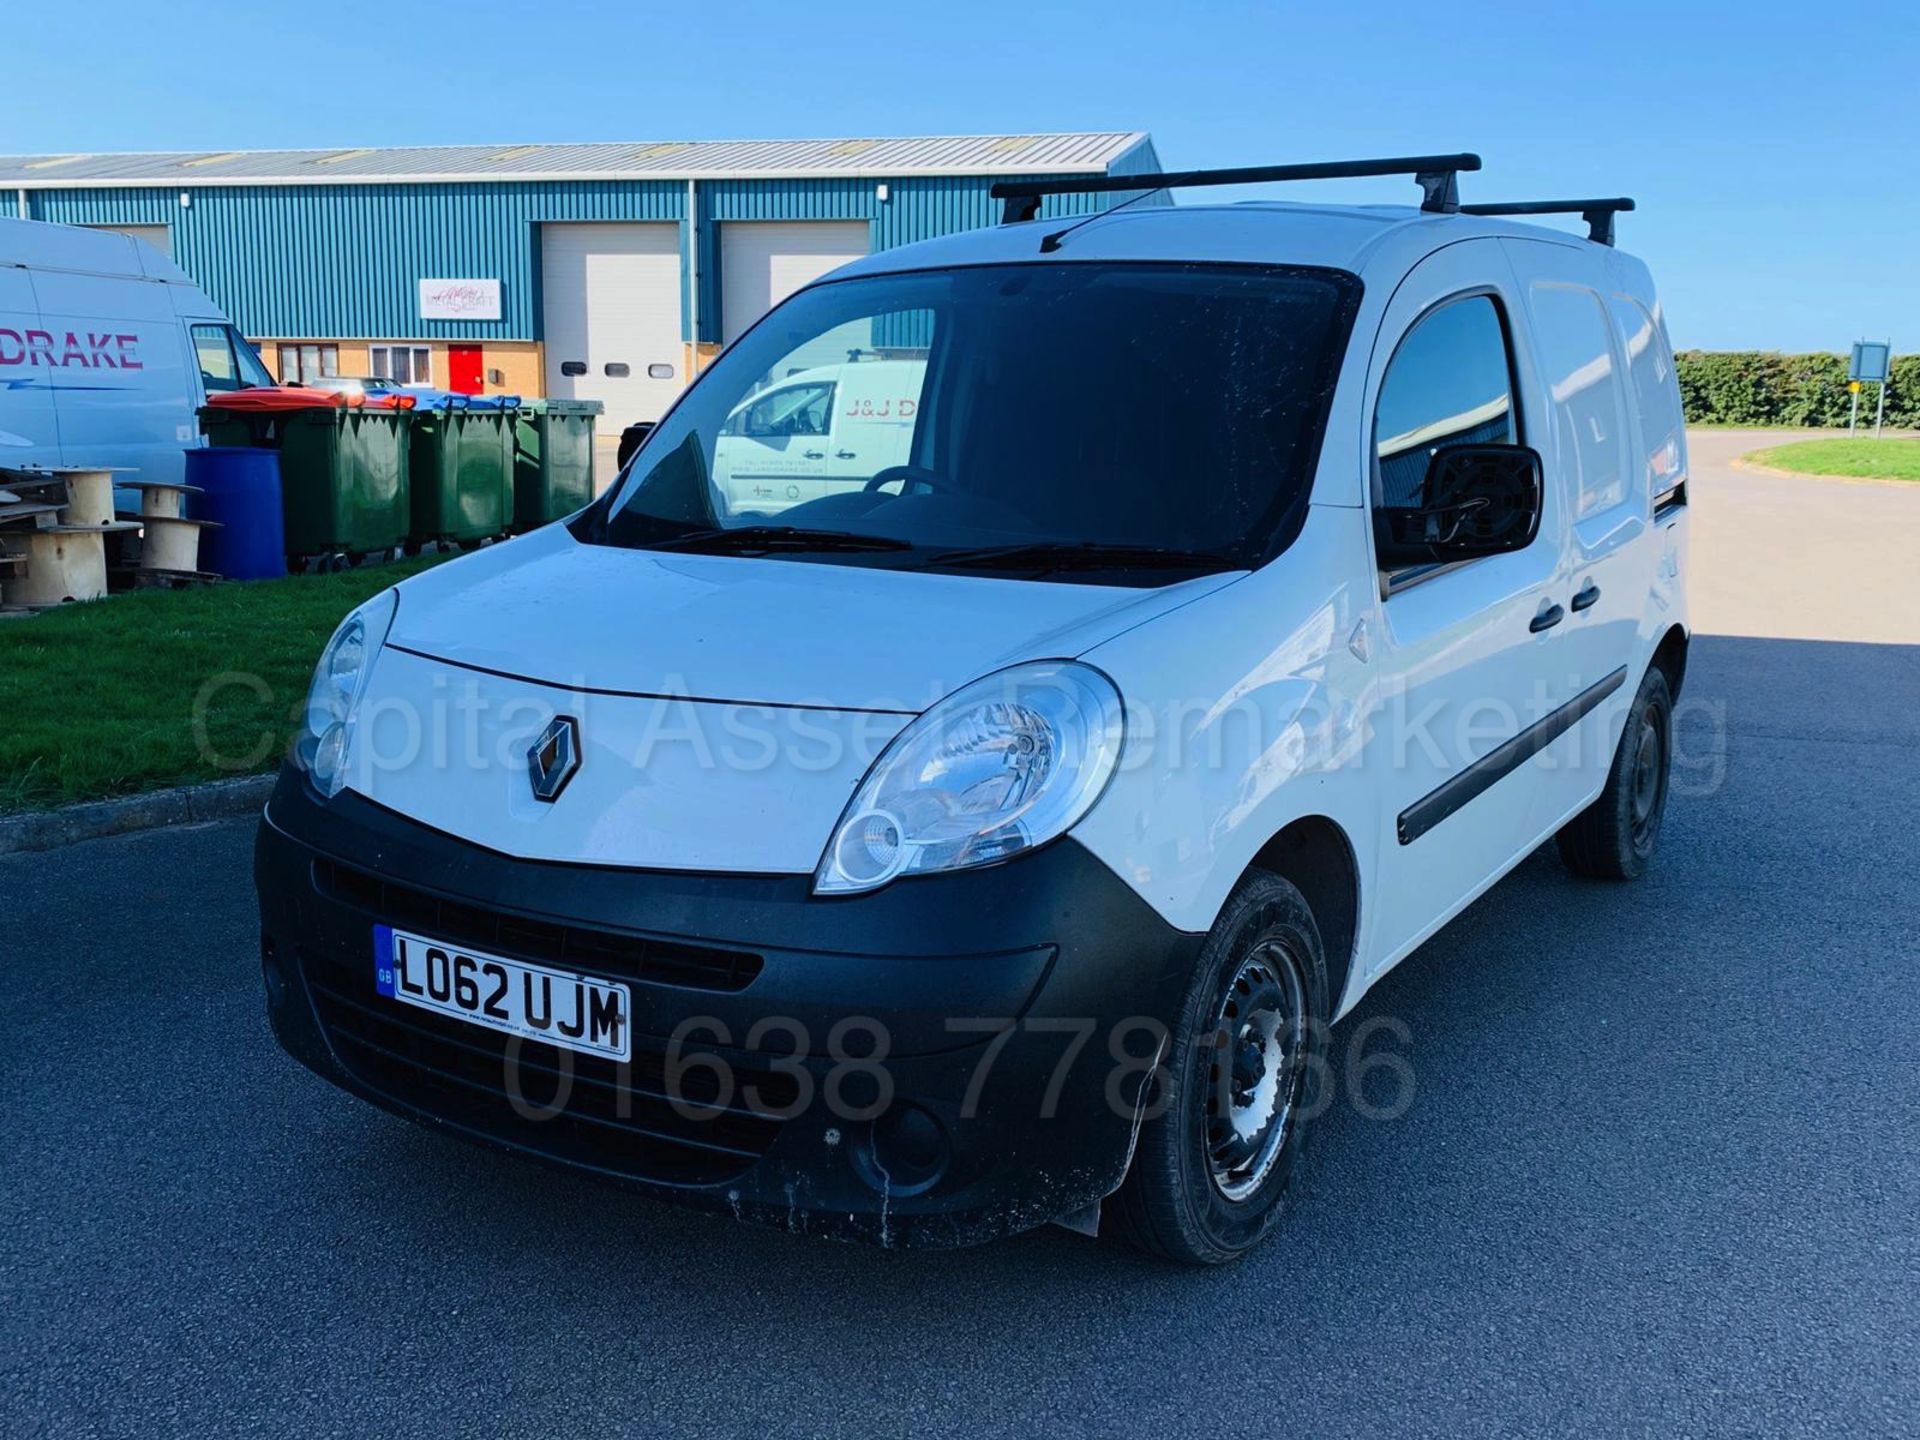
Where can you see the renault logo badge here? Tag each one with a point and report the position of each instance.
(554, 757)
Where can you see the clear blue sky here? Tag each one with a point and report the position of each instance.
(1771, 146)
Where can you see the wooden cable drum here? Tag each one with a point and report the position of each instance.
(89, 493)
(163, 499)
(171, 543)
(64, 562)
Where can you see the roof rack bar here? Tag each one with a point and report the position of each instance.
(1597, 213)
(1435, 174)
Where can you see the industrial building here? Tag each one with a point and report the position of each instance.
(606, 272)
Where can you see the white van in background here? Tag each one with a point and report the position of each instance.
(106, 351)
(829, 430)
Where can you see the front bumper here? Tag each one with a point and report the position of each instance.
(950, 1059)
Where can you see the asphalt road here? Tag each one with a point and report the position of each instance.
(1660, 1172)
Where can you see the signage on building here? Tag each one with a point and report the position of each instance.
(459, 299)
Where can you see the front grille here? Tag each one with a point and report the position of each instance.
(617, 1117)
(544, 942)
(613, 1116)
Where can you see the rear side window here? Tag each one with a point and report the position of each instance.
(1650, 371)
(1577, 358)
(1449, 383)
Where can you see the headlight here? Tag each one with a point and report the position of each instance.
(1005, 764)
(326, 736)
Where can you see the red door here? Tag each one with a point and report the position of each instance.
(463, 369)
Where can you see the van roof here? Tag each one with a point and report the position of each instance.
(41, 245)
(1341, 237)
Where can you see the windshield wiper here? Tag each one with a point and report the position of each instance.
(1084, 555)
(750, 538)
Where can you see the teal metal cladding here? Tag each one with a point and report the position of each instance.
(344, 261)
(338, 261)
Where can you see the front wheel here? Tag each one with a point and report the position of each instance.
(1613, 838)
(1230, 1109)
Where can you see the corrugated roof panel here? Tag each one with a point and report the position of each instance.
(678, 159)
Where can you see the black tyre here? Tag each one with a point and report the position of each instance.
(1613, 838)
(1241, 1079)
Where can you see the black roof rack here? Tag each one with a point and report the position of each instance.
(1597, 213)
(1435, 174)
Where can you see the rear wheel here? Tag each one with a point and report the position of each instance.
(1229, 1115)
(1613, 838)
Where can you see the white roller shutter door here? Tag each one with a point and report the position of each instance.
(610, 297)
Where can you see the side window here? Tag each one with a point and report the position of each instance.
(1450, 382)
(253, 370)
(219, 366)
(1577, 360)
(795, 410)
(1656, 396)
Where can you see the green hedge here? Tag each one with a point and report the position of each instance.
(1764, 387)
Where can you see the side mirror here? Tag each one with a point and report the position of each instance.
(631, 439)
(1475, 500)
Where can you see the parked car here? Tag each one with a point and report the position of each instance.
(106, 351)
(631, 438)
(993, 837)
(355, 385)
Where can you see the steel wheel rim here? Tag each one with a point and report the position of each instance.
(1649, 782)
(1255, 1073)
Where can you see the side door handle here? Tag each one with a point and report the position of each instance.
(1585, 597)
(843, 455)
(1550, 615)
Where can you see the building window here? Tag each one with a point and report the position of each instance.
(304, 364)
(403, 364)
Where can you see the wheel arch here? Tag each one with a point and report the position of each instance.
(1670, 657)
(1316, 855)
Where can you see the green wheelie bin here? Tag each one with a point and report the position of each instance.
(461, 459)
(553, 460)
(343, 468)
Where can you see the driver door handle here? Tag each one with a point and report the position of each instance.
(1585, 597)
(1550, 615)
(814, 454)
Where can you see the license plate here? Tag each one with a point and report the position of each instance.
(559, 1007)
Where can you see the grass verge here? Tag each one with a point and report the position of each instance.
(1865, 459)
(164, 687)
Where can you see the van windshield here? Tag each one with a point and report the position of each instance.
(1126, 422)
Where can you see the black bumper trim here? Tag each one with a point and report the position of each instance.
(1054, 936)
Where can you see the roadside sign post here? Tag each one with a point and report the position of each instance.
(1872, 360)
